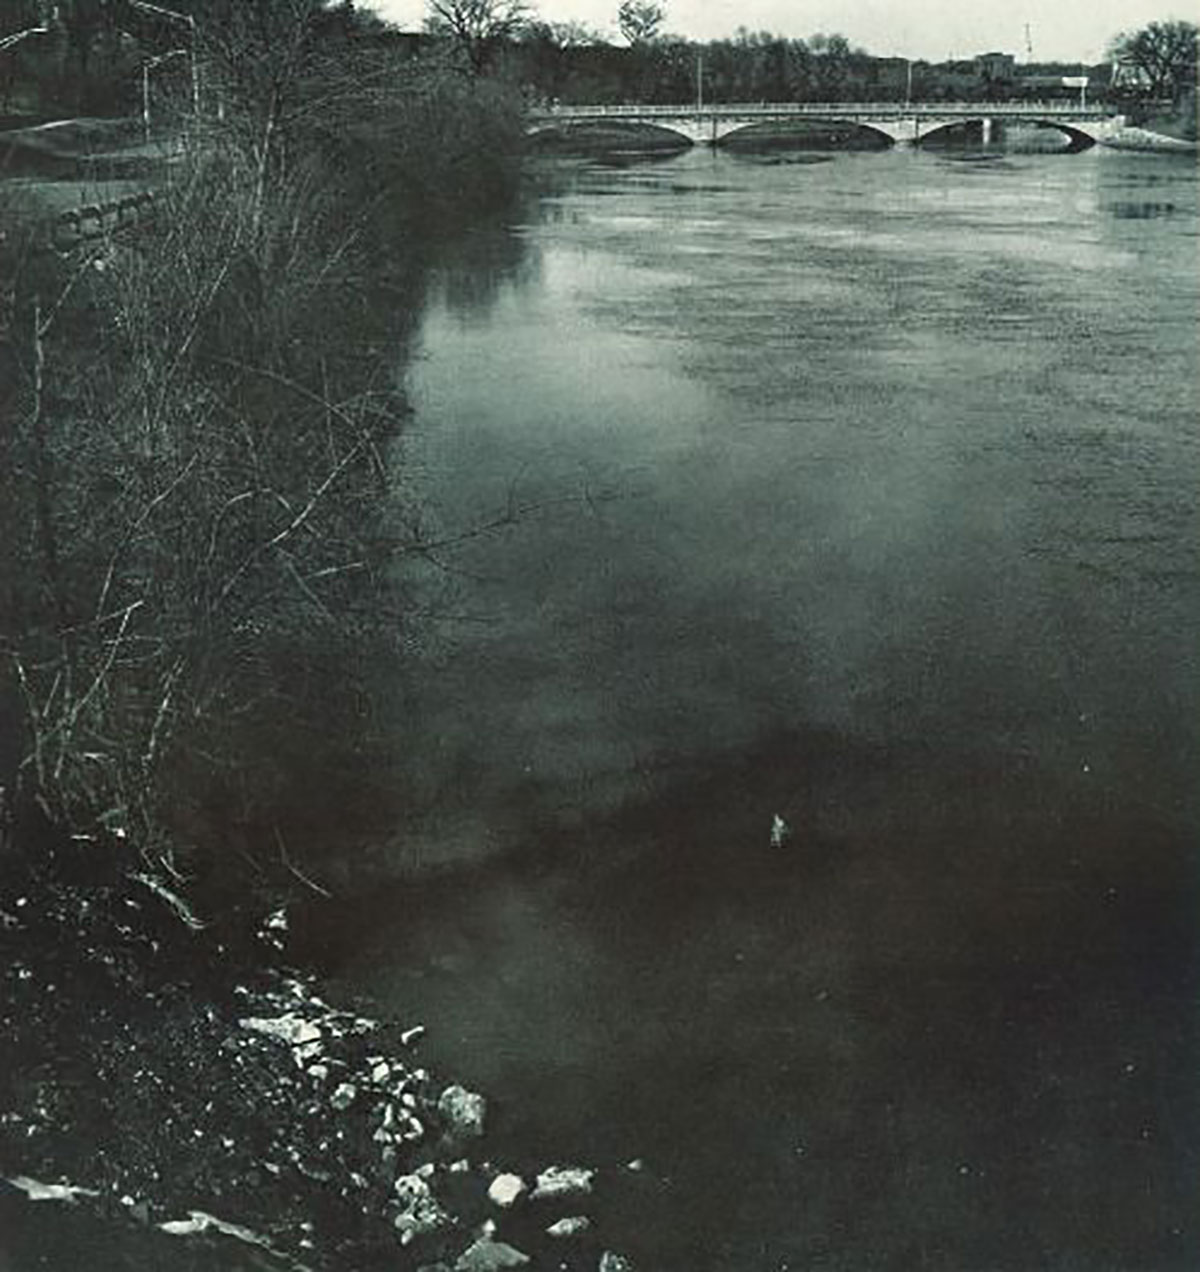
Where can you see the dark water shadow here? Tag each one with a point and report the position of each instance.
(932, 1007)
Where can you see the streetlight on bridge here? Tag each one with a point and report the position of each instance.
(191, 49)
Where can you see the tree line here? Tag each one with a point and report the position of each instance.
(572, 62)
(86, 54)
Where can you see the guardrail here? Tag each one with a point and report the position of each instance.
(92, 221)
(873, 109)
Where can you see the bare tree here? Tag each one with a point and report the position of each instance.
(478, 27)
(1161, 57)
(640, 21)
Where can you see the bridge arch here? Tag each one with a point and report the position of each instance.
(1079, 139)
(656, 135)
(746, 131)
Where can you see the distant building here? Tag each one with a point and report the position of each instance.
(1053, 86)
(996, 67)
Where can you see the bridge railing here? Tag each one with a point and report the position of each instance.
(874, 110)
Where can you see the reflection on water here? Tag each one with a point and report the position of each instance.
(1141, 211)
(861, 494)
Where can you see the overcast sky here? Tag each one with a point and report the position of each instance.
(1067, 30)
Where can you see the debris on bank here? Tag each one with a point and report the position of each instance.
(222, 1100)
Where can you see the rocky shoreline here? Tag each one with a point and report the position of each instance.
(170, 1087)
(1131, 137)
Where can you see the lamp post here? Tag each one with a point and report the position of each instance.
(147, 67)
(191, 24)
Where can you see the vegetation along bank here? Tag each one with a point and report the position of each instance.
(201, 518)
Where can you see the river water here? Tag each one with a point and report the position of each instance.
(859, 494)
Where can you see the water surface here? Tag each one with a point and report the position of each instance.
(860, 493)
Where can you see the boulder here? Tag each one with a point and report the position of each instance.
(487, 1255)
(611, 1262)
(420, 1213)
(344, 1096)
(558, 1182)
(572, 1226)
(505, 1189)
(462, 1111)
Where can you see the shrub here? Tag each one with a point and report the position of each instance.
(199, 511)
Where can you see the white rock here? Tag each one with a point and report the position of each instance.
(611, 1262)
(35, 1190)
(288, 1028)
(421, 1211)
(505, 1189)
(410, 1188)
(463, 1111)
(563, 1181)
(199, 1221)
(344, 1096)
(487, 1255)
(569, 1227)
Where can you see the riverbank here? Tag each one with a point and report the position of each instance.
(1131, 137)
(196, 408)
(1171, 130)
(221, 1102)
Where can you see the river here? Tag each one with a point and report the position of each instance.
(858, 494)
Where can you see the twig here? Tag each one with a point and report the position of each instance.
(66, 728)
(290, 565)
(295, 524)
(182, 910)
(161, 714)
(133, 530)
(318, 400)
(304, 879)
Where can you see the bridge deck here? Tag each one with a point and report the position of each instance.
(843, 110)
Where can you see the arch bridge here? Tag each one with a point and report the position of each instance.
(901, 123)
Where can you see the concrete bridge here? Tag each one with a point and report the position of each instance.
(901, 123)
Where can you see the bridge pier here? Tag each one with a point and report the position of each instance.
(987, 130)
